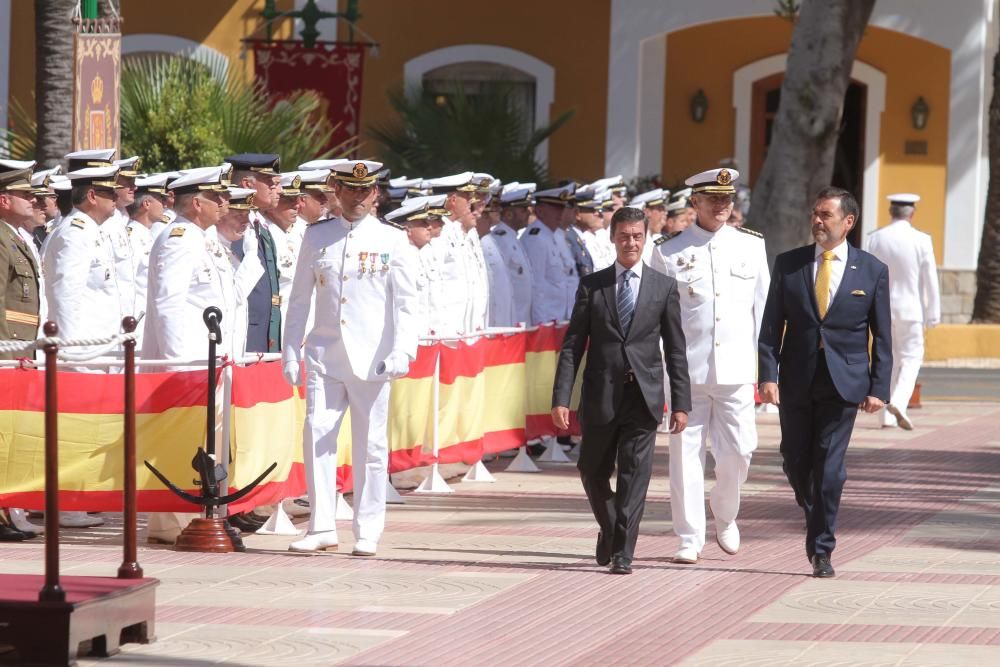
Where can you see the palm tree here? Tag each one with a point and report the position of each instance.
(180, 112)
(987, 304)
(455, 132)
(801, 156)
(53, 79)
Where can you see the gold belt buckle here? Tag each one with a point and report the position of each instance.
(275, 299)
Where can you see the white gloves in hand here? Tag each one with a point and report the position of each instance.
(292, 371)
(396, 365)
(250, 242)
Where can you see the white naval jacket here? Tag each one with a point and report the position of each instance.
(449, 305)
(914, 293)
(518, 269)
(184, 280)
(553, 270)
(501, 311)
(364, 278)
(722, 279)
(115, 232)
(81, 286)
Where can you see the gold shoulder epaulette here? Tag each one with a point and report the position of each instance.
(751, 232)
(77, 222)
(661, 240)
(177, 231)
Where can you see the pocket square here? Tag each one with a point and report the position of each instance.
(858, 292)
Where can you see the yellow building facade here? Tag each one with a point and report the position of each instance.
(631, 71)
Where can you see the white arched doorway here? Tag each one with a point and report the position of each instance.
(149, 42)
(873, 79)
(543, 74)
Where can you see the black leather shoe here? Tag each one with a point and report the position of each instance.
(243, 523)
(822, 567)
(603, 554)
(621, 565)
(11, 534)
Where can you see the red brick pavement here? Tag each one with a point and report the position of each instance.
(664, 612)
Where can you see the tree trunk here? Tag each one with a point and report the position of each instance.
(987, 305)
(53, 79)
(801, 155)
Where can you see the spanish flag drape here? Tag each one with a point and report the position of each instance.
(493, 393)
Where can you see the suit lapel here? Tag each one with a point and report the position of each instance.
(810, 281)
(847, 281)
(611, 298)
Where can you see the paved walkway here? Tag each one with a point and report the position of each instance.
(502, 574)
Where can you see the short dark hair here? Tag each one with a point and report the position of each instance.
(628, 214)
(848, 203)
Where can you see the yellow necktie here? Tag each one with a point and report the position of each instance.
(823, 283)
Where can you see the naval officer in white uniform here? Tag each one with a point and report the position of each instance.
(722, 277)
(362, 273)
(914, 297)
(552, 266)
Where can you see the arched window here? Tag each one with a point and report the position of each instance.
(477, 78)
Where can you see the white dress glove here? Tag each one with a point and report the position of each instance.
(292, 371)
(396, 365)
(250, 242)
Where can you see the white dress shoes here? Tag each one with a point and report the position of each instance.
(686, 556)
(313, 542)
(728, 537)
(901, 419)
(19, 518)
(79, 520)
(364, 548)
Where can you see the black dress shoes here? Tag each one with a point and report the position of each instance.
(11, 534)
(822, 568)
(603, 554)
(244, 523)
(621, 565)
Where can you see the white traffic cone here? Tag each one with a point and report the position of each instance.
(434, 483)
(522, 462)
(278, 524)
(392, 496)
(478, 473)
(554, 452)
(344, 511)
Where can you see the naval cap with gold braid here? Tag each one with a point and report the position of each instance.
(94, 157)
(95, 177)
(357, 173)
(129, 166)
(202, 179)
(714, 182)
(241, 199)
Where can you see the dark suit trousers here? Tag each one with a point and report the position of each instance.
(628, 440)
(815, 431)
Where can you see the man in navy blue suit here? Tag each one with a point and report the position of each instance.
(824, 300)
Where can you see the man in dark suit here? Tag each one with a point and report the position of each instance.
(621, 315)
(824, 300)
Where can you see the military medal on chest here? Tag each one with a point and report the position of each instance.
(385, 261)
(362, 256)
(372, 258)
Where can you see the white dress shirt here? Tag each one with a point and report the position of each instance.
(837, 267)
(634, 282)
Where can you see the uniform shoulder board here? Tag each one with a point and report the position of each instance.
(128, 230)
(393, 224)
(751, 232)
(77, 222)
(662, 240)
(534, 231)
(499, 232)
(177, 231)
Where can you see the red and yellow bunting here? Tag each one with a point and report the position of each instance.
(492, 394)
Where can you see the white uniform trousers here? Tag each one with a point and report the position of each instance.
(327, 400)
(907, 355)
(723, 415)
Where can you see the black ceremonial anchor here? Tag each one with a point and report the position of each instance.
(210, 474)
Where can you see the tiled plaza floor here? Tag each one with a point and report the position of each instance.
(503, 574)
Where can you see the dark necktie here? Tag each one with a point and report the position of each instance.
(626, 301)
